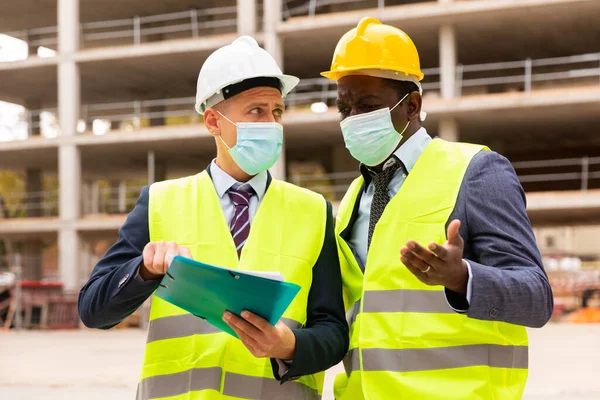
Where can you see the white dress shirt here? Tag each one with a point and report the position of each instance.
(223, 182)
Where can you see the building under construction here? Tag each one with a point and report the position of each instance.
(108, 92)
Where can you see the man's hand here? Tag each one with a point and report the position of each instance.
(262, 339)
(157, 256)
(440, 265)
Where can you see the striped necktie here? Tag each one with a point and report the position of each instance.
(381, 196)
(240, 223)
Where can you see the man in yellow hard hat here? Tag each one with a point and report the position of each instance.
(440, 266)
(235, 215)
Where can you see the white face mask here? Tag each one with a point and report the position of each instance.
(371, 138)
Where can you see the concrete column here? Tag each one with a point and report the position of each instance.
(122, 206)
(278, 170)
(272, 17)
(69, 159)
(246, 17)
(157, 170)
(151, 168)
(448, 129)
(447, 61)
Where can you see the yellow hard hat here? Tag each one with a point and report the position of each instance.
(375, 46)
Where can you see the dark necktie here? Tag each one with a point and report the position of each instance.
(381, 196)
(240, 222)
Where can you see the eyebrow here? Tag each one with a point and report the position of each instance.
(265, 105)
(367, 97)
(360, 99)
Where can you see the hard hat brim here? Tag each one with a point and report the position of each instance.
(334, 75)
(288, 83)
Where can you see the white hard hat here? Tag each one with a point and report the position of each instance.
(241, 60)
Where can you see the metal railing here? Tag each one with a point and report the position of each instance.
(139, 29)
(477, 78)
(29, 204)
(143, 113)
(579, 171)
(581, 69)
(561, 174)
(109, 200)
(310, 8)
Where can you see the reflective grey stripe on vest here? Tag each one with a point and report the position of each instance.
(177, 326)
(183, 325)
(159, 386)
(252, 387)
(410, 360)
(423, 301)
(353, 312)
(243, 386)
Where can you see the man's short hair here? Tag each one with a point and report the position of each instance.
(401, 87)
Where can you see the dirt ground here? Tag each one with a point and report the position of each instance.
(94, 365)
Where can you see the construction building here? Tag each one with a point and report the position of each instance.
(522, 76)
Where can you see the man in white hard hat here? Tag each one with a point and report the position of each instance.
(233, 214)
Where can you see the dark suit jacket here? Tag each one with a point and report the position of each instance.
(113, 292)
(508, 283)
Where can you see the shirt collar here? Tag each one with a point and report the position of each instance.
(407, 154)
(223, 181)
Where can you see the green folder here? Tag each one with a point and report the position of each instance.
(207, 291)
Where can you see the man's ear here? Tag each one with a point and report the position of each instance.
(415, 101)
(211, 118)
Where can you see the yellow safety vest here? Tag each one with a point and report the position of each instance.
(405, 340)
(187, 358)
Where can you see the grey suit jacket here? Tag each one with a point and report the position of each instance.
(508, 279)
(509, 282)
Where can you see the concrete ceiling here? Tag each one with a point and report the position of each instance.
(27, 14)
(151, 77)
(35, 86)
(536, 133)
(45, 158)
(543, 31)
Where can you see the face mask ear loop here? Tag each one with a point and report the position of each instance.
(230, 121)
(222, 141)
(392, 109)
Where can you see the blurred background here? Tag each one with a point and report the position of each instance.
(96, 100)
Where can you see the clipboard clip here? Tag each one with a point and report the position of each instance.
(170, 276)
(234, 276)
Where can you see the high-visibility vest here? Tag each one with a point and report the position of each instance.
(405, 340)
(187, 358)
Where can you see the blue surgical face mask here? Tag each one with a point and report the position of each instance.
(371, 138)
(258, 145)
